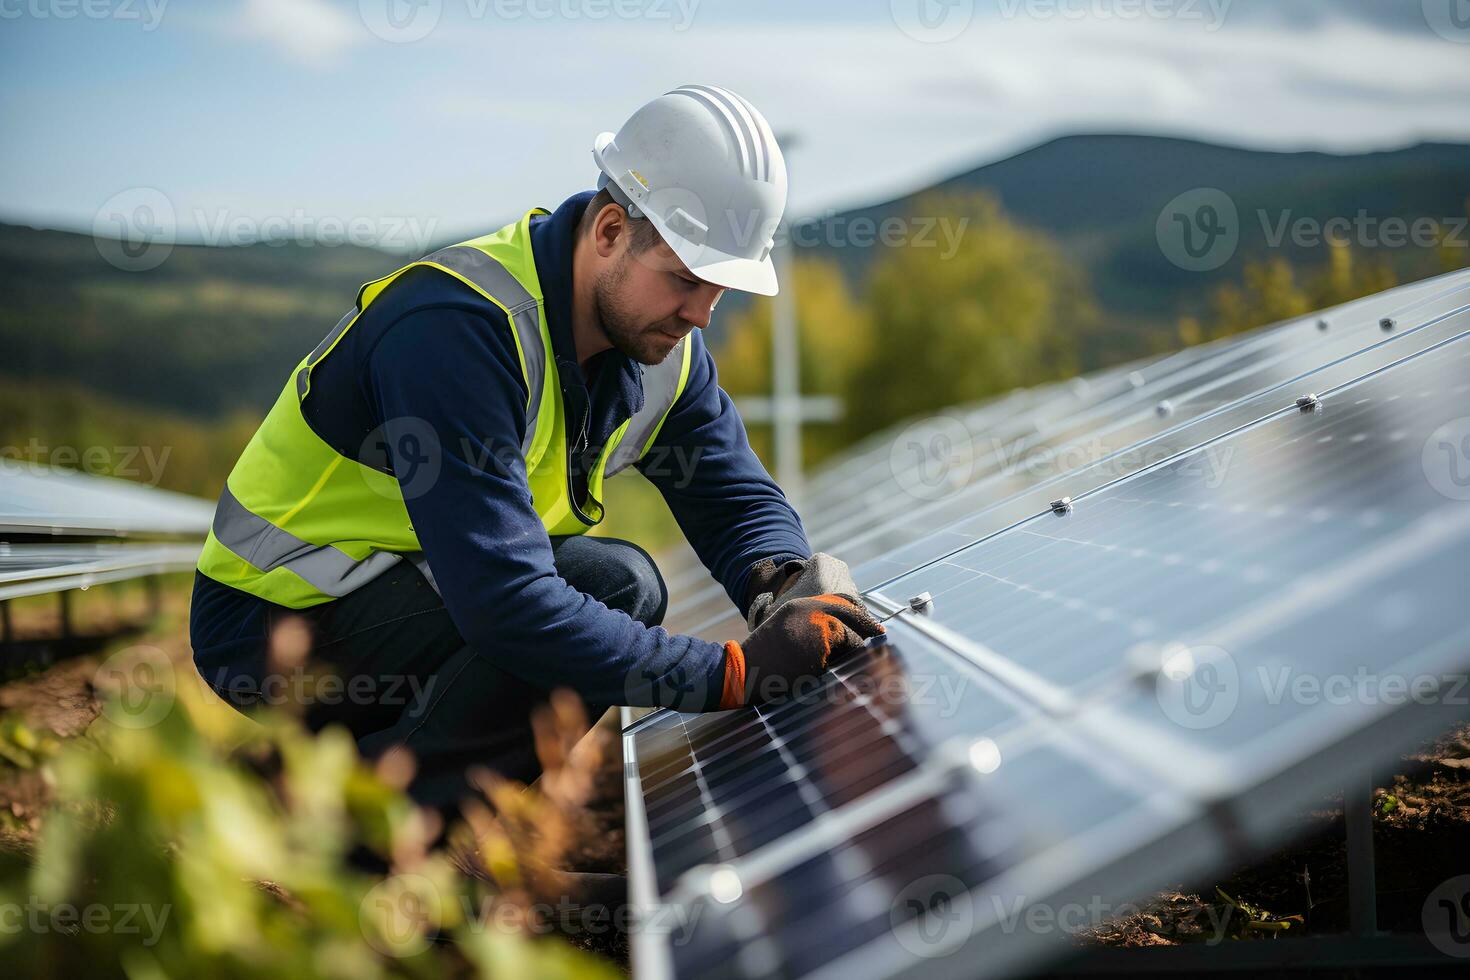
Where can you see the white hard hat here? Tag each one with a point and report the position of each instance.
(702, 164)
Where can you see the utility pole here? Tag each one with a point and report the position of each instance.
(786, 373)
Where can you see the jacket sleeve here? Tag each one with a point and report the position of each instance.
(727, 505)
(446, 385)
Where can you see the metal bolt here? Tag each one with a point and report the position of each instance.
(1322, 324)
(1164, 409)
(1062, 507)
(922, 604)
(1308, 403)
(1135, 379)
(1387, 323)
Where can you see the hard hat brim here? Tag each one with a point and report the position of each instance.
(731, 271)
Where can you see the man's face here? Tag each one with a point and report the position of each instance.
(648, 302)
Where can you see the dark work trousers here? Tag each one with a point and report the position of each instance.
(404, 676)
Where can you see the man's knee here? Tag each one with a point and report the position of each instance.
(618, 573)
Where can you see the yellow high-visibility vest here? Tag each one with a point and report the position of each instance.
(301, 524)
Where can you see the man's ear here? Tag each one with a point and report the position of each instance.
(610, 224)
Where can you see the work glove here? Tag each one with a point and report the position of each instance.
(796, 641)
(821, 574)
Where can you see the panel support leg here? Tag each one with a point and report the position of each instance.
(1357, 806)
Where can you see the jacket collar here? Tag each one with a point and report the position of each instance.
(617, 389)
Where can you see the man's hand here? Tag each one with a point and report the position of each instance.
(796, 640)
(821, 574)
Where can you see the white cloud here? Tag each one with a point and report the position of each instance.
(312, 32)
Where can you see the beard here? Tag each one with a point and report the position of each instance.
(643, 343)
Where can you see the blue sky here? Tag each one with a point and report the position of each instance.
(250, 110)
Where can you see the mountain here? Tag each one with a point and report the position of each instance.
(1100, 196)
(212, 330)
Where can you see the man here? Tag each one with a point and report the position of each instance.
(419, 492)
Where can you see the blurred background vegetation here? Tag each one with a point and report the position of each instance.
(148, 830)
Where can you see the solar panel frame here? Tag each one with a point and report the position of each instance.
(40, 500)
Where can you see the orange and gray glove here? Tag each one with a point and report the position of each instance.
(795, 641)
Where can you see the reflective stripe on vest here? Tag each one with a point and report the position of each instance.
(262, 544)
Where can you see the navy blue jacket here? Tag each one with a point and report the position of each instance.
(432, 351)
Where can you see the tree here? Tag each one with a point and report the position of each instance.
(1003, 309)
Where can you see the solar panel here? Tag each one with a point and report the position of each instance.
(35, 569)
(42, 500)
(1202, 397)
(1126, 674)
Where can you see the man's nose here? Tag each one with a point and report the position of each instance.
(700, 307)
